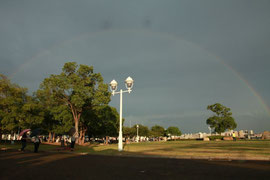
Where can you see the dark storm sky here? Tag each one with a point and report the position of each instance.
(183, 55)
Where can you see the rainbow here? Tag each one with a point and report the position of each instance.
(249, 86)
(167, 35)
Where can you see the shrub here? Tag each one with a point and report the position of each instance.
(212, 138)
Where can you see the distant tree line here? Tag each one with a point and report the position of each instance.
(155, 131)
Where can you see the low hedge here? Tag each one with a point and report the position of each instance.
(212, 138)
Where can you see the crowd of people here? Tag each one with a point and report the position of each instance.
(37, 139)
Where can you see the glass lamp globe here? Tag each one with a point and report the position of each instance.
(129, 83)
(113, 85)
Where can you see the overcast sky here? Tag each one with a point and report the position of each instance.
(182, 55)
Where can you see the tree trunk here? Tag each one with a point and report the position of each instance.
(76, 118)
(127, 140)
(53, 138)
(50, 137)
(76, 127)
(107, 140)
(81, 135)
(0, 134)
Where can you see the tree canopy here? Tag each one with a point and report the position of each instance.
(173, 131)
(157, 131)
(103, 121)
(223, 119)
(12, 99)
(78, 88)
(143, 130)
(132, 131)
(17, 109)
(57, 116)
(128, 131)
(75, 96)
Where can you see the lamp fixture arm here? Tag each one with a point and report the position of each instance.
(126, 91)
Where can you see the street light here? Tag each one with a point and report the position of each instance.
(210, 130)
(137, 132)
(113, 86)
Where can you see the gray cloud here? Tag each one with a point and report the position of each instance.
(168, 47)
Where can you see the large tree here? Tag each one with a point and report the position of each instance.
(222, 120)
(143, 130)
(77, 87)
(17, 109)
(173, 131)
(57, 116)
(128, 132)
(12, 99)
(157, 131)
(132, 131)
(102, 121)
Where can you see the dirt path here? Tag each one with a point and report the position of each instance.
(45, 165)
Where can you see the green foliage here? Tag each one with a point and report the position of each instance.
(32, 114)
(157, 131)
(131, 132)
(101, 121)
(223, 119)
(78, 88)
(12, 99)
(60, 118)
(77, 95)
(173, 131)
(17, 109)
(143, 130)
(212, 138)
(57, 117)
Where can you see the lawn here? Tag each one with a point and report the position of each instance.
(248, 149)
(214, 149)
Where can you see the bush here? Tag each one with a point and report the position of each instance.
(212, 138)
(174, 139)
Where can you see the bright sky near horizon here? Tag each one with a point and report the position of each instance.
(182, 55)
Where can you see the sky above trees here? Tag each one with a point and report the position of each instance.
(182, 55)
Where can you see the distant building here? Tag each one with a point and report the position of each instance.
(266, 135)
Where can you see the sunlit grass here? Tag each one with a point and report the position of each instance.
(259, 148)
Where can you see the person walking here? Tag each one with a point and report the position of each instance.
(36, 143)
(23, 141)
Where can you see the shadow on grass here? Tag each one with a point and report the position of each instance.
(51, 164)
(50, 153)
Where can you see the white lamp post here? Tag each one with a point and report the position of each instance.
(113, 86)
(137, 132)
(210, 130)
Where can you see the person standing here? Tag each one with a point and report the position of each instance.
(234, 137)
(73, 139)
(62, 141)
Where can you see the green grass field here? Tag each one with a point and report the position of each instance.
(251, 149)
